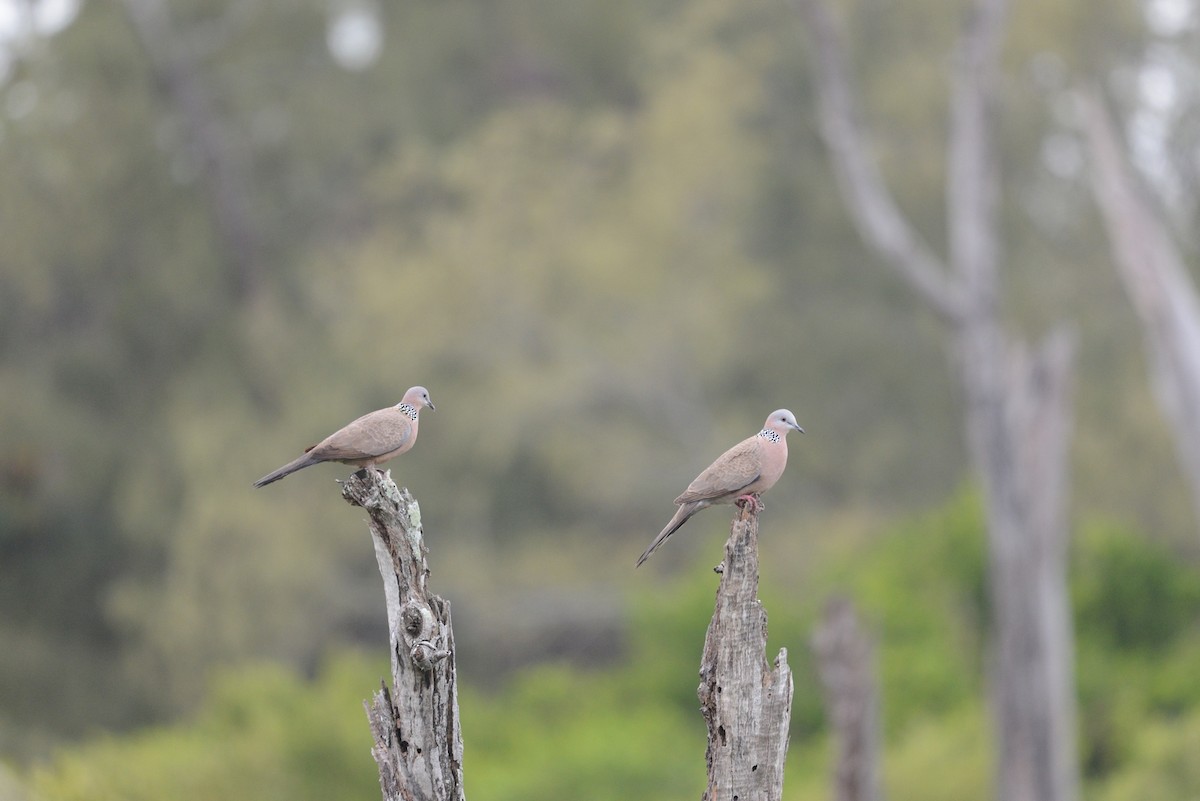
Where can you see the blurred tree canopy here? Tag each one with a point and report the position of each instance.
(604, 235)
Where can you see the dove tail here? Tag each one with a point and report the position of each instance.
(682, 514)
(291, 467)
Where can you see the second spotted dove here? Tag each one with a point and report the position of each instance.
(743, 472)
(368, 442)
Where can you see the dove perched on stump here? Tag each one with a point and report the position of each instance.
(742, 473)
(367, 442)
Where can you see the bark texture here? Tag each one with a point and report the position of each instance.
(846, 662)
(1157, 282)
(746, 703)
(418, 740)
(1017, 398)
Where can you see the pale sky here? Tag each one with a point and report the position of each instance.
(20, 18)
(354, 35)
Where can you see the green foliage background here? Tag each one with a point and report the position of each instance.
(557, 731)
(606, 237)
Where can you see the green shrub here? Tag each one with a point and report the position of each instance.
(1131, 593)
(263, 734)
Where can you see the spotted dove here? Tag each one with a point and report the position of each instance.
(742, 473)
(367, 442)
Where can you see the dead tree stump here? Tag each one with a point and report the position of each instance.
(846, 661)
(746, 703)
(418, 740)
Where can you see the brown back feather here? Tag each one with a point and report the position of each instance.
(732, 472)
(374, 434)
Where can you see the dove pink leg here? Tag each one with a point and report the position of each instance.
(751, 500)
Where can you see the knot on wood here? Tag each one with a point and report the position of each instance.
(417, 620)
(425, 654)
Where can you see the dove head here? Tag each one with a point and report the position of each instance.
(782, 421)
(417, 397)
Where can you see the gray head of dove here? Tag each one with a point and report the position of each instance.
(782, 421)
(416, 397)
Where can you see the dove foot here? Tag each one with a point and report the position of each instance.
(750, 500)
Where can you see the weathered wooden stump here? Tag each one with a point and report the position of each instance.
(746, 703)
(418, 740)
(846, 661)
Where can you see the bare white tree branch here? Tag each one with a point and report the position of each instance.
(971, 189)
(1156, 280)
(875, 211)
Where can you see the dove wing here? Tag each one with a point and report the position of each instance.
(732, 472)
(372, 435)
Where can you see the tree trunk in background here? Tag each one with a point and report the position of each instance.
(1017, 402)
(746, 703)
(846, 662)
(1157, 282)
(1019, 424)
(418, 740)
